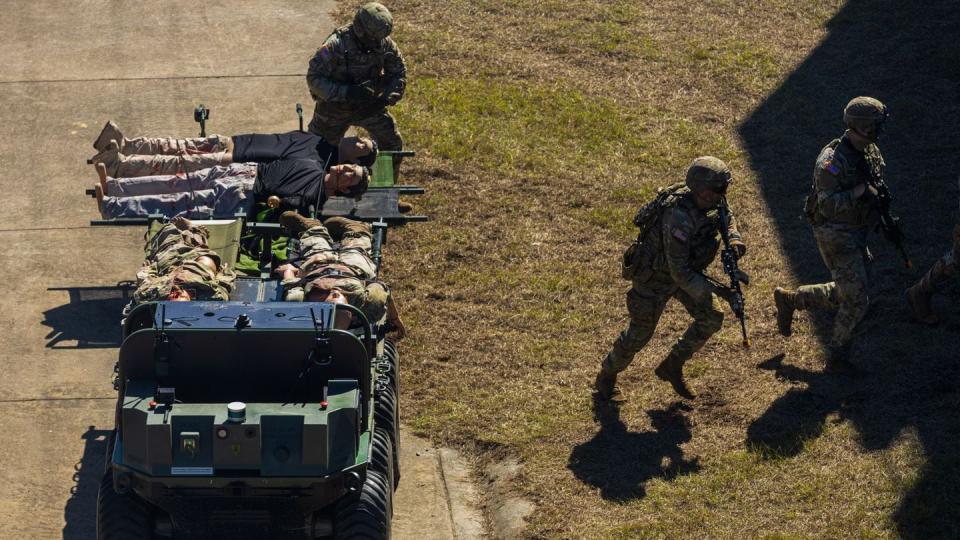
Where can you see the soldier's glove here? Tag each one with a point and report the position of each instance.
(360, 92)
(393, 98)
(727, 294)
(739, 247)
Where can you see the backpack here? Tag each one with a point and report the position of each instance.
(647, 219)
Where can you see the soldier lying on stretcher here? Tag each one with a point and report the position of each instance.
(145, 156)
(179, 266)
(338, 274)
(225, 190)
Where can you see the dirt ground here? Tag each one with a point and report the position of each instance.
(70, 66)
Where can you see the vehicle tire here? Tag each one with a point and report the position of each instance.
(366, 515)
(382, 456)
(122, 517)
(385, 417)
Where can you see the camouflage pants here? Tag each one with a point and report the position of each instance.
(645, 302)
(170, 146)
(332, 122)
(943, 268)
(157, 164)
(844, 255)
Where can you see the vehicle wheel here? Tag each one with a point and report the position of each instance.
(382, 456)
(122, 517)
(385, 417)
(367, 515)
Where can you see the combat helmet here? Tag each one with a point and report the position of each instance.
(373, 21)
(865, 114)
(708, 172)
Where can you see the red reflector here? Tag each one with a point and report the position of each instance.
(323, 404)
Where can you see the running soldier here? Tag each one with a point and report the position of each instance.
(679, 237)
(842, 207)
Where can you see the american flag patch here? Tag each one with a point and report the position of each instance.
(679, 235)
(831, 167)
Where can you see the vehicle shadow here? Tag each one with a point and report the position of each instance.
(620, 462)
(80, 511)
(91, 317)
(906, 54)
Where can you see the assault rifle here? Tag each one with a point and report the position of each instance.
(889, 223)
(729, 258)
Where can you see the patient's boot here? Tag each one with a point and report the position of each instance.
(295, 224)
(110, 158)
(110, 132)
(147, 165)
(338, 226)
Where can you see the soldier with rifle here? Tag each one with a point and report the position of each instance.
(681, 231)
(848, 197)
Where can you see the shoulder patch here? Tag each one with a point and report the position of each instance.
(326, 51)
(831, 167)
(679, 234)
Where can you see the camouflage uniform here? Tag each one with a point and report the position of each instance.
(347, 267)
(171, 260)
(840, 225)
(943, 269)
(342, 62)
(673, 259)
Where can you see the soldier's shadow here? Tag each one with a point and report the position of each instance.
(80, 511)
(91, 318)
(906, 54)
(620, 461)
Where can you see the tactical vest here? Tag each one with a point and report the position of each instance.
(648, 218)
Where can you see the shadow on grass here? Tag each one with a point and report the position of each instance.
(907, 54)
(80, 511)
(620, 461)
(91, 318)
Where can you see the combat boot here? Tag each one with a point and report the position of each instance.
(110, 132)
(919, 302)
(671, 370)
(606, 386)
(339, 226)
(783, 299)
(295, 224)
(109, 157)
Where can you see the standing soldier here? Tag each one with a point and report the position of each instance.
(679, 237)
(918, 296)
(354, 76)
(842, 207)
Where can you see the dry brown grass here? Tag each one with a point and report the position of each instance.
(540, 127)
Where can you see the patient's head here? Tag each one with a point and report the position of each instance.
(359, 150)
(347, 180)
(178, 295)
(333, 296)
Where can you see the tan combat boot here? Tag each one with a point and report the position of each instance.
(671, 370)
(110, 132)
(338, 226)
(295, 224)
(919, 301)
(783, 299)
(606, 386)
